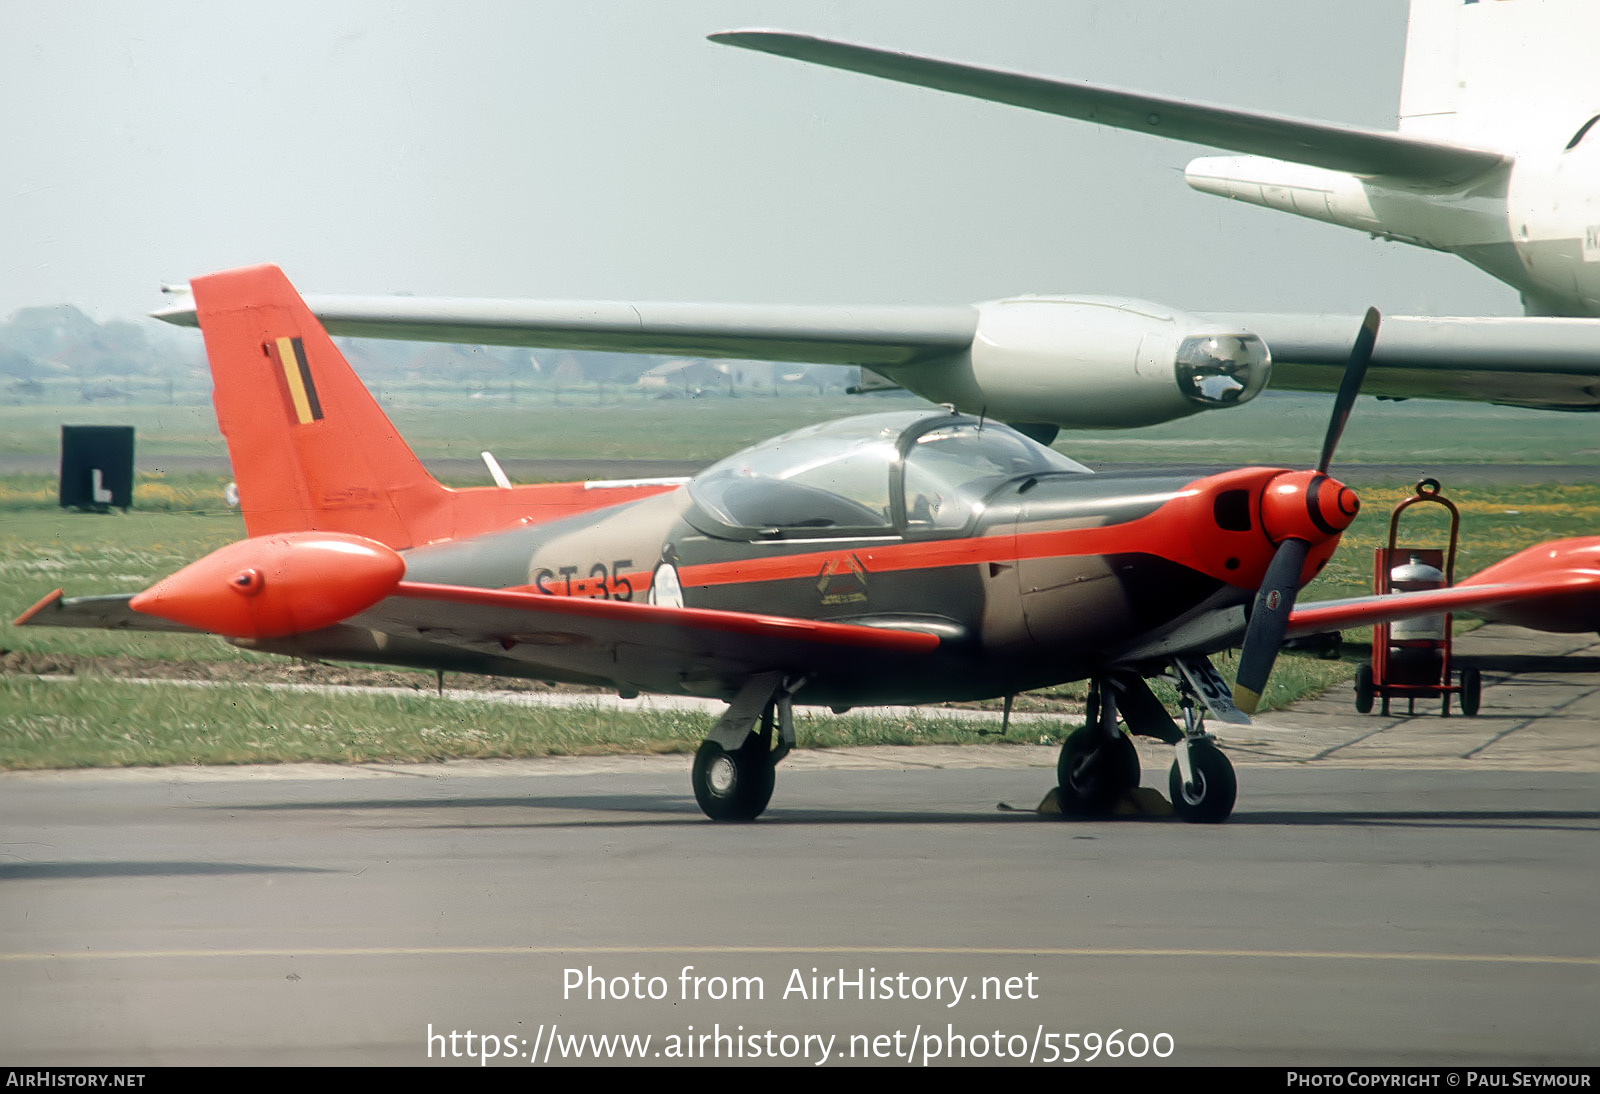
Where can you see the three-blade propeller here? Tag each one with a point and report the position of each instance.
(1318, 496)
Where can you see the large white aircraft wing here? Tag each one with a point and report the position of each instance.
(881, 336)
(1534, 362)
(1551, 364)
(1335, 147)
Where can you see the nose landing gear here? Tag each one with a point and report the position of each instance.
(1202, 783)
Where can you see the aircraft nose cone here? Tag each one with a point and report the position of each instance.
(274, 586)
(1307, 505)
(1337, 504)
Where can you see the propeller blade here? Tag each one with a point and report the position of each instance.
(1355, 371)
(1269, 620)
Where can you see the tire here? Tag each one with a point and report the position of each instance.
(1364, 690)
(1471, 691)
(733, 786)
(1093, 773)
(1210, 800)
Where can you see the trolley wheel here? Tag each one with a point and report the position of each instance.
(1093, 773)
(1471, 691)
(1364, 690)
(1209, 799)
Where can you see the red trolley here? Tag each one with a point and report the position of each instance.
(1411, 658)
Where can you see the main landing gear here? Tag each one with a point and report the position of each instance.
(735, 766)
(1098, 765)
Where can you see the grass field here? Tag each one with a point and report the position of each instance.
(181, 517)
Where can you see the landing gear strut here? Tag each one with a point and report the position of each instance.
(735, 766)
(1201, 783)
(1098, 763)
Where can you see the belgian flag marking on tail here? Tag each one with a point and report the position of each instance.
(297, 374)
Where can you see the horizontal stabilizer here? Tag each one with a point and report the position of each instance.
(1320, 144)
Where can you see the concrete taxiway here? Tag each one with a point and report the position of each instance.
(1405, 890)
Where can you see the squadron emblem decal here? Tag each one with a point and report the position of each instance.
(843, 581)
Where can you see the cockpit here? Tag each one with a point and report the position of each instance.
(877, 474)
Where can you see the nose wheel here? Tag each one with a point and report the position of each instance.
(1206, 792)
(1202, 784)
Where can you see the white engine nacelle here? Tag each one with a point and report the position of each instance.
(1091, 362)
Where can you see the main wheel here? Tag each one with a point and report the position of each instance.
(1364, 690)
(1471, 691)
(1093, 772)
(1209, 799)
(733, 786)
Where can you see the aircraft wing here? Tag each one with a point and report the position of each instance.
(1518, 361)
(1553, 586)
(814, 335)
(1336, 147)
(1551, 364)
(109, 613)
(644, 645)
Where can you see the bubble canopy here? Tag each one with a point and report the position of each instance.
(880, 474)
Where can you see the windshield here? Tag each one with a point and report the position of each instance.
(950, 469)
(845, 475)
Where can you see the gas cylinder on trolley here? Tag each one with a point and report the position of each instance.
(1411, 657)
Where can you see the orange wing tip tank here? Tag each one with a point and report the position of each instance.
(273, 586)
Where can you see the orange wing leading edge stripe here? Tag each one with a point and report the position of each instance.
(297, 374)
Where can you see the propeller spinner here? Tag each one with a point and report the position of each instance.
(1299, 509)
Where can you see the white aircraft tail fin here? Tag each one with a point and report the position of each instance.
(1512, 75)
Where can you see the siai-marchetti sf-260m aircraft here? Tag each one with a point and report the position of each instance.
(905, 557)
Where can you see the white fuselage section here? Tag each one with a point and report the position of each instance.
(1534, 224)
(1514, 78)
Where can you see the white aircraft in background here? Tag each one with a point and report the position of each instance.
(1497, 158)
(1477, 169)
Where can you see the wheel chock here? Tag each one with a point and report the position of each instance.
(1141, 801)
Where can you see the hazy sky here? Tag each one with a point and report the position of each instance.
(606, 150)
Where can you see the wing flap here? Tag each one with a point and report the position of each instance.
(1336, 147)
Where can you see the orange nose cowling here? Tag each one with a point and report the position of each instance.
(272, 586)
(1307, 505)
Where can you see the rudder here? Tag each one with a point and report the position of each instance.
(311, 449)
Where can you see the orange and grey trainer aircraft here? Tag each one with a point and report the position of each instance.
(904, 557)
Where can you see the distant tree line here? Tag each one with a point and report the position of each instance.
(57, 350)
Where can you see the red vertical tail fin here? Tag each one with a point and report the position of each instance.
(311, 449)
